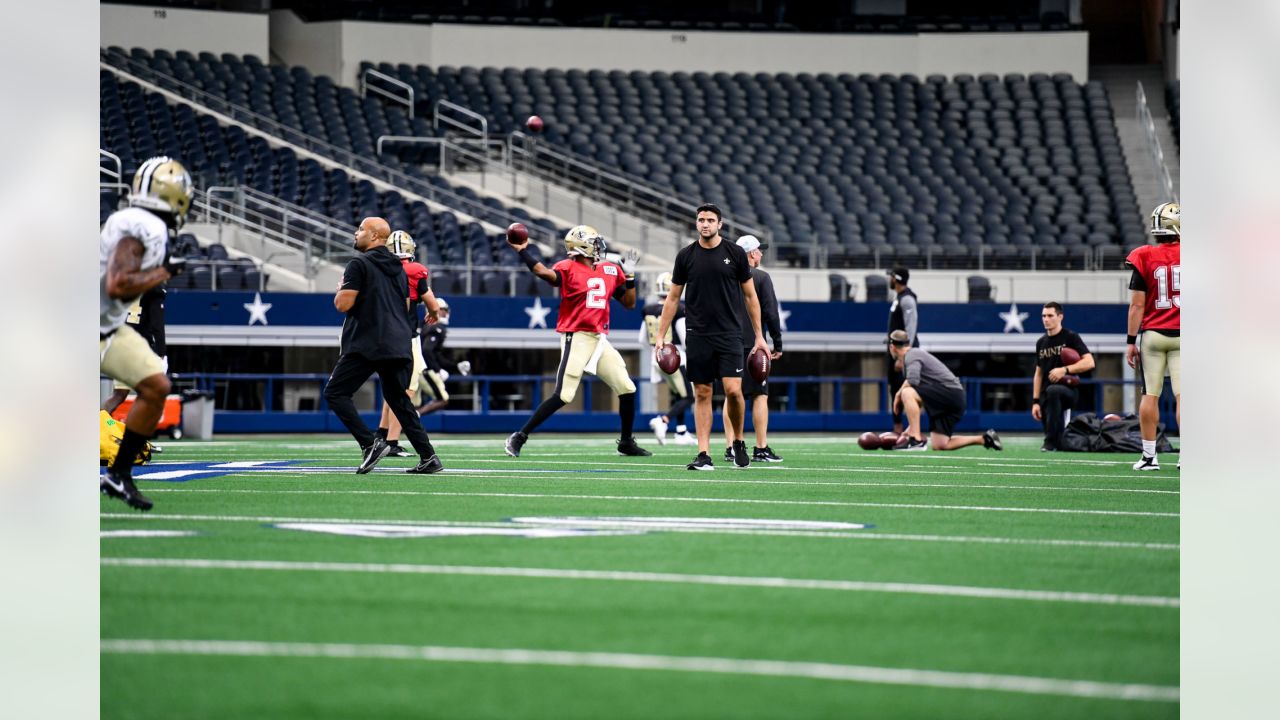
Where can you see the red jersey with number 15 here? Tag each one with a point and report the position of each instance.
(584, 295)
(1161, 269)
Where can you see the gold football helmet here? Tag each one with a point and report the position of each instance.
(162, 184)
(662, 286)
(586, 241)
(401, 244)
(1166, 220)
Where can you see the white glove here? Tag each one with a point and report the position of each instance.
(444, 375)
(464, 367)
(629, 262)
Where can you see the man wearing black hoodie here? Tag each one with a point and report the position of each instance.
(374, 294)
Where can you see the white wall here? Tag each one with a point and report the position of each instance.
(651, 50)
(172, 29)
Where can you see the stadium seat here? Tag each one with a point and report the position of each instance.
(877, 288)
(979, 289)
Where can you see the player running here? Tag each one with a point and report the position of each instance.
(586, 283)
(1155, 320)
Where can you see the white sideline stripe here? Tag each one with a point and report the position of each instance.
(988, 593)
(630, 661)
(978, 539)
(662, 498)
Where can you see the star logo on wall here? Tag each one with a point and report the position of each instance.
(257, 309)
(782, 317)
(537, 314)
(1013, 319)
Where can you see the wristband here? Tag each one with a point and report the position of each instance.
(528, 258)
(1131, 339)
(1035, 401)
(631, 283)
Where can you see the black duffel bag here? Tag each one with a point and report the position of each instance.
(1087, 433)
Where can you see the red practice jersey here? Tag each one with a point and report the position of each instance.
(1161, 269)
(415, 272)
(584, 295)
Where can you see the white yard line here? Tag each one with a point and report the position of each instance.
(977, 539)
(963, 591)
(662, 498)
(629, 661)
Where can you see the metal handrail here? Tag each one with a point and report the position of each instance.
(365, 88)
(274, 219)
(118, 174)
(482, 134)
(1153, 143)
(133, 69)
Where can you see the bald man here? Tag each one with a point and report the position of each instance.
(374, 295)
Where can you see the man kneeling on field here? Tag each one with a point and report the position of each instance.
(931, 388)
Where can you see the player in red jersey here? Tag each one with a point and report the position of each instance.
(586, 283)
(401, 245)
(1155, 314)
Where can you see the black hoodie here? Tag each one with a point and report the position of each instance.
(377, 326)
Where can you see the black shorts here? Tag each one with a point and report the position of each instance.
(711, 357)
(945, 407)
(751, 388)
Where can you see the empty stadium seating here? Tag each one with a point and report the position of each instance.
(1173, 100)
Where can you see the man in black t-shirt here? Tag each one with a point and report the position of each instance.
(903, 316)
(374, 294)
(718, 277)
(1051, 395)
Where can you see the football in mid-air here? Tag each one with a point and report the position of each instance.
(758, 365)
(869, 441)
(888, 440)
(668, 358)
(517, 233)
(1069, 356)
(534, 123)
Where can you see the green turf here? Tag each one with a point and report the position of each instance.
(972, 519)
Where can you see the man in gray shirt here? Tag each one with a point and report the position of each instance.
(931, 388)
(902, 316)
(757, 394)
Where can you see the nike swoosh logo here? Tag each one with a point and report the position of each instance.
(118, 487)
(738, 370)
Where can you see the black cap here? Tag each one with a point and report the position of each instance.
(900, 274)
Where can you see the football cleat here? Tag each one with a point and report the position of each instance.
(1146, 464)
(702, 462)
(121, 487)
(740, 457)
(991, 441)
(395, 450)
(163, 185)
(685, 438)
(427, 466)
(659, 429)
(629, 448)
(1166, 221)
(586, 241)
(913, 445)
(515, 441)
(373, 455)
(763, 454)
(728, 454)
(401, 245)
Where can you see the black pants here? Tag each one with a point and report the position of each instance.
(896, 379)
(350, 373)
(1055, 400)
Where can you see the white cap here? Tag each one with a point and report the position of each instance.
(751, 242)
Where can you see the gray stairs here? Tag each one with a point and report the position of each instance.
(1121, 83)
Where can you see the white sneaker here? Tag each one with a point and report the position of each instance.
(686, 438)
(1146, 464)
(659, 430)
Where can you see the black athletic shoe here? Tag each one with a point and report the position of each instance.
(373, 455)
(515, 441)
(427, 466)
(1146, 464)
(763, 454)
(397, 450)
(914, 445)
(121, 487)
(1046, 448)
(629, 447)
(991, 441)
(702, 462)
(740, 457)
(728, 454)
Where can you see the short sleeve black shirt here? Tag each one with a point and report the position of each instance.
(1049, 350)
(712, 281)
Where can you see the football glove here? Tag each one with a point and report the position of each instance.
(464, 367)
(444, 375)
(176, 265)
(629, 262)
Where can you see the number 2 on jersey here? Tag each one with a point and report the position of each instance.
(1168, 290)
(596, 295)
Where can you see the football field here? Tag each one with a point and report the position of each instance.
(272, 582)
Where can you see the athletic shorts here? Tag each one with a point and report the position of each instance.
(751, 388)
(587, 352)
(945, 407)
(125, 356)
(1159, 354)
(712, 357)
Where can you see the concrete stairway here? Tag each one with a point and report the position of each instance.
(1121, 83)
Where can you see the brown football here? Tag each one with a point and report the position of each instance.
(758, 365)
(869, 441)
(668, 358)
(888, 440)
(517, 233)
(1069, 356)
